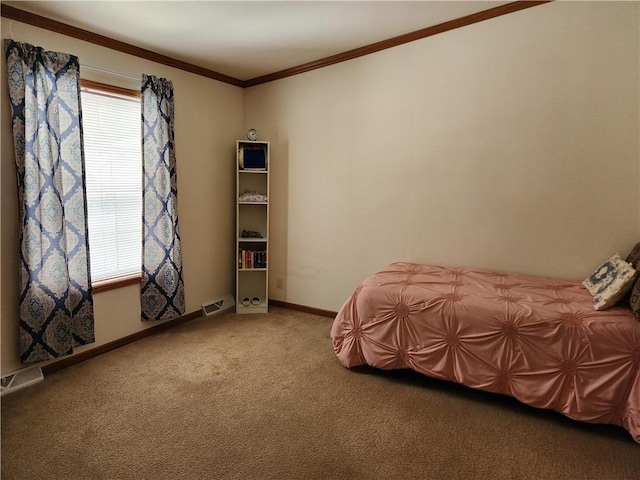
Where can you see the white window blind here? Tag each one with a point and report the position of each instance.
(112, 143)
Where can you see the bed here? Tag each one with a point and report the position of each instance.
(536, 339)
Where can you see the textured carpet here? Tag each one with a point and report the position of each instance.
(263, 397)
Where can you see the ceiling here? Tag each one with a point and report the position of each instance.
(249, 39)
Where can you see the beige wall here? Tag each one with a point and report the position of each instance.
(512, 144)
(209, 117)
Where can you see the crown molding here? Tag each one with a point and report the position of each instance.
(71, 31)
(396, 41)
(19, 15)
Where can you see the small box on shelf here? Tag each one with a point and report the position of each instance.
(253, 156)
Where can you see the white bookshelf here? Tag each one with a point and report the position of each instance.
(252, 215)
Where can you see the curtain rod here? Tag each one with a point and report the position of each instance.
(112, 72)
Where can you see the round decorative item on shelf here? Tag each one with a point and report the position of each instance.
(252, 134)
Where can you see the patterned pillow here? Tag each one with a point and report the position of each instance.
(609, 282)
(634, 301)
(634, 256)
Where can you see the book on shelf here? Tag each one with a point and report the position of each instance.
(251, 259)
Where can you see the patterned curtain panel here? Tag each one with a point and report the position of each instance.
(56, 306)
(162, 284)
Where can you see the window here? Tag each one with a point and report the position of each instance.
(112, 147)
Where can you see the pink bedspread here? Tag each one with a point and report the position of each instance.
(538, 340)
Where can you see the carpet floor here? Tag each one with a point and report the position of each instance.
(264, 397)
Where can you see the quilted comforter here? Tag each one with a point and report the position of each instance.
(536, 339)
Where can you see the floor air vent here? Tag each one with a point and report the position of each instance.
(20, 379)
(216, 306)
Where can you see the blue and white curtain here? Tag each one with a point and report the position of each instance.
(56, 305)
(162, 291)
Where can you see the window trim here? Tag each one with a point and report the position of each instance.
(98, 87)
(113, 283)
